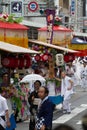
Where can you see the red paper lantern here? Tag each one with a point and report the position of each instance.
(27, 62)
(44, 57)
(69, 57)
(16, 62)
(5, 62)
(8, 62)
(21, 63)
(37, 57)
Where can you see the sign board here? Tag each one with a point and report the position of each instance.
(72, 9)
(16, 8)
(32, 6)
(59, 60)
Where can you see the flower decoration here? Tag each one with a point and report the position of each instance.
(10, 91)
(57, 21)
(10, 18)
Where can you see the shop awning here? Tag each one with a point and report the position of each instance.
(52, 46)
(14, 49)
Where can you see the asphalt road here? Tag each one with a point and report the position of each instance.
(79, 108)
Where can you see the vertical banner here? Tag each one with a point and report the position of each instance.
(50, 15)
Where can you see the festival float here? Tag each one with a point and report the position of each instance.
(79, 43)
(13, 32)
(51, 54)
(14, 56)
(61, 34)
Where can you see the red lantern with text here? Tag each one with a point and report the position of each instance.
(8, 62)
(37, 57)
(27, 61)
(69, 57)
(21, 63)
(44, 57)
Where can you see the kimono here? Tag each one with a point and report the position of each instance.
(45, 114)
(66, 93)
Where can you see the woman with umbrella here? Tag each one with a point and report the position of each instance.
(34, 101)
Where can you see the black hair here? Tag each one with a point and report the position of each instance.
(38, 82)
(64, 127)
(0, 90)
(46, 90)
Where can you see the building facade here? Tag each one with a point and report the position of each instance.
(33, 10)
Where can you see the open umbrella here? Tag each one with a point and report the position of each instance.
(31, 78)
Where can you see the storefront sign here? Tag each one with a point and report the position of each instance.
(50, 14)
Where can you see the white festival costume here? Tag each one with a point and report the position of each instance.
(64, 88)
(2, 122)
(3, 108)
(83, 75)
(66, 93)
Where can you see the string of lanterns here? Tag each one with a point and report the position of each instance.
(23, 61)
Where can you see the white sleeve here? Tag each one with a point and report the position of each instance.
(5, 106)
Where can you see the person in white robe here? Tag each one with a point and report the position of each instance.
(83, 74)
(70, 71)
(66, 92)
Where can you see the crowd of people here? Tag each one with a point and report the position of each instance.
(41, 107)
(41, 110)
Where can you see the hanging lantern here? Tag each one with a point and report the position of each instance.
(44, 57)
(27, 61)
(16, 62)
(37, 57)
(59, 59)
(49, 56)
(69, 57)
(8, 62)
(21, 63)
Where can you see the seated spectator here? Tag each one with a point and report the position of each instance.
(84, 122)
(64, 127)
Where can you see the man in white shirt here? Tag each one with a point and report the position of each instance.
(66, 91)
(4, 115)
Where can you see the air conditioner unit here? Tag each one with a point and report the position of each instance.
(59, 59)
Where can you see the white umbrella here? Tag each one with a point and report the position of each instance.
(31, 78)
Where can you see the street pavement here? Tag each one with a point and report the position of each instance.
(79, 107)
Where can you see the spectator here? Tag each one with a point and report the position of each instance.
(33, 100)
(3, 112)
(66, 91)
(84, 122)
(83, 75)
(45, 111)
